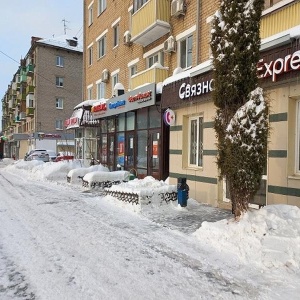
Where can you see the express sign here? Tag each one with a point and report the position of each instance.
(281, 65)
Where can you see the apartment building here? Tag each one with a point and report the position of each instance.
(147, 90)
(41, 95)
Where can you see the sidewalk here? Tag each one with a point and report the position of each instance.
(185, 219)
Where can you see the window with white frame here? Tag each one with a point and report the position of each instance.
(185, 48)
(59, 124)
(59, 81)
(116, 29)
(90, 54)
(101, 6)
(137, 4)
(115, 80)
(196, 141)
(90, 19)
(59, 61)
(155, 58)
(101, 89)
(298, 138)
(102, 47)
(89, 92)
(133, 70)
(59, 103)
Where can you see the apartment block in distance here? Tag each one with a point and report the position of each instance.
(42, 93)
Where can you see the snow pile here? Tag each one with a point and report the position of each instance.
(269, 237)
(74, 173)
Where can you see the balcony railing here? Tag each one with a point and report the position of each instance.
(150, 22)
(30, 111)
(150, 75)
(280, 20)
(30, 89)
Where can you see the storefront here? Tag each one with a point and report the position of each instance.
(132, 135)
(193, 140)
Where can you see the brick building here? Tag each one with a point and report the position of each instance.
(42, 94)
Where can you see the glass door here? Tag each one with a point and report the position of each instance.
(154, 153)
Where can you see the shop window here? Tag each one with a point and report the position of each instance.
(142, 139)
(196, 141)
(111, 125)
(142, 118)
(103, 126)
(120, 157)
(154, 117)
(186, 47)
(121, 122)
(103, 149)
(130, 120)
(101, 6)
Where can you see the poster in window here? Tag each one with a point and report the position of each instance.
(121, 147)
(155, 149)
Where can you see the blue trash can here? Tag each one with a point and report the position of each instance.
(182, 191)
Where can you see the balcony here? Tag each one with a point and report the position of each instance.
(280, 20)
(29, 111)
(152, 75)
(29, 69)
(150, 22)
(22, 116)
(29, 89)
(23, 78)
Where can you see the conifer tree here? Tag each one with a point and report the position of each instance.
(241, 117)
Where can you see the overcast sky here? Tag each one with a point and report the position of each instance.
(20, 20)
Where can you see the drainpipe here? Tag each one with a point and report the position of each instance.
(197, 31)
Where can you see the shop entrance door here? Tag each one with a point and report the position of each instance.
(130, 151)
(111, 152)
(154, 153)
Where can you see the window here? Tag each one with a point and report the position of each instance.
(186, 47)
(116, 35)
(196, 141)
(89, 92)
(115, 80)
(137, 4)
(298, 139)
(59, 103)
(90, 21)
(133, 70)
(59, 61)
(101, 6)
(156, 58)
(102, 47)
(101, 90)
(59, 81)
(90, 54)
(59, 124)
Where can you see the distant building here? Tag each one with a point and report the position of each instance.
(42, 93)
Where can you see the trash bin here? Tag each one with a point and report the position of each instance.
(182, 191)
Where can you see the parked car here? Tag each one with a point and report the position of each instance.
(33, 150)
(52, 155)
(64, 156)
(37, 154)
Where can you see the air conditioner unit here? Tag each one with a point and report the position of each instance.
(105, 75)
(170, 44)
(177, 8)
(127, 38)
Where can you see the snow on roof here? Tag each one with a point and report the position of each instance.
(63, 41)
(86, 103)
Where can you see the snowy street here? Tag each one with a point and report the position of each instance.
(57, 242)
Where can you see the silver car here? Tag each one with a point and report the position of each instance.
(37, 154)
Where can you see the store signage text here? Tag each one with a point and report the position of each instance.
(72, 121)
(114, 105)
(279, 66)
(99, 107)
(187, 90)
(141, 97)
